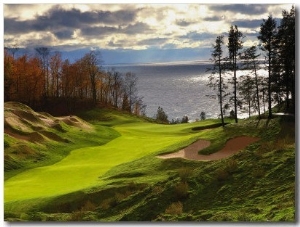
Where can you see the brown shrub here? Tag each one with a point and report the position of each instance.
(181, 190)
(222, 174)
(175, 208)
(231, 165)
(88, 206)
(185, 173)
(106, 204)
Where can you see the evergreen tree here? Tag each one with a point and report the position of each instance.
(234, 45)
(267, 36)
(202, 116)
(161, 116)
(251, 62)
(247, 92)
(215, 79)
(286, 55)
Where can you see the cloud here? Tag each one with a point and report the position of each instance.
(137, 28)
(153, 41)
(64, 34)
(131, 26)
(248, 23)
(198, 36)
(248, 9)
(214, 18)
(98, 31)
(57, 18)
(184, 23)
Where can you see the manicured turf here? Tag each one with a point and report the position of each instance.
(82, 167)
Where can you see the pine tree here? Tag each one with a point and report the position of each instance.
(247, 92)
(286, 55)
(267, 36)
(215, 79)
(161, 116)
(251, 62)
(234, 45)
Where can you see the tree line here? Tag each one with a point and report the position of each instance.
(46, 82)
(252, 91)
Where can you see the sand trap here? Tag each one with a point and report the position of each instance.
(231, 147)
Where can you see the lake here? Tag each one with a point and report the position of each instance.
(179, 88)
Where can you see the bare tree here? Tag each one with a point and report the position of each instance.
(44, 53)
(92, 62)
(130, 83)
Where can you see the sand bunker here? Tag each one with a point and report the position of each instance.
(231, 147)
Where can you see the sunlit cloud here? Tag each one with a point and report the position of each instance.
(131, 26)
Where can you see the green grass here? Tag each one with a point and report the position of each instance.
(123, 180)
(86, 165)
(50, 152)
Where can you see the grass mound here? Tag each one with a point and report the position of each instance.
(45, 136)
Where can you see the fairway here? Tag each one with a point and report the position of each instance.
(83, 168)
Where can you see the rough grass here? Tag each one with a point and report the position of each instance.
(257, 184)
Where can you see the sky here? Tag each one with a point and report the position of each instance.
(133, 32)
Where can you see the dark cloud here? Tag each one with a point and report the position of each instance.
(57, 18)
(98, 30)
(64, 34)
(250, 9)
(247, 23)
(75, 17)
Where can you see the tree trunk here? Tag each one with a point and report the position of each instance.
(269, 89)
(257, 91)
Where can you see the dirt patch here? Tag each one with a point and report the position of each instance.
(75, 121)
(24, 151)
(231, 147)
(29, 116)
(35, 137)
(53, 136)
(21, 122)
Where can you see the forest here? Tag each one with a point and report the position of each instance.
(252, 91)
(46, 82)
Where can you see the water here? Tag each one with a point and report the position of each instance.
(179, 88)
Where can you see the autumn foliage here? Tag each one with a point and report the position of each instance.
(46, 82)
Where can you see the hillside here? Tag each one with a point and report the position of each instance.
(33, 139)
(122, 177)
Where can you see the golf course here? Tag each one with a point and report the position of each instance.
(107, 165)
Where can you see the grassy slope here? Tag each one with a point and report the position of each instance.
(256, 185)
(85, 165)
(23, 154)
